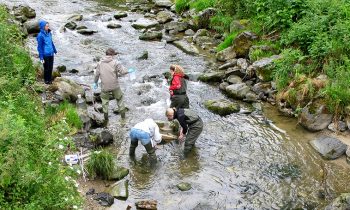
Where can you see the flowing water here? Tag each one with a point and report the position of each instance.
(240, 161)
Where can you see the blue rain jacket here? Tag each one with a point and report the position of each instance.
(45, 43)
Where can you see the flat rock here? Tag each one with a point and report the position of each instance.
(237, 91)
(104, 199)
(340, 203)
(151, 35)
(184, 186)
(76, 18)
(120, 189)
(146, 205)
(186, 47)
(144, 23)
(329, 147)
(119, 15)
(113, 25)
(222, 107)
(212, 77)
(178, 26)
(86, 31)
(164, 17)
(163, 3)
(315, 119)
(71, 25)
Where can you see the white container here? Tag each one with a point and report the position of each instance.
(71, 159)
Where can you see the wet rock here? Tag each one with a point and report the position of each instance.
(329, 147)
(85, 119)
(164, 17)
(223, 86)
(203, 40)
(119, 173)
(91, 191)
(144, 56)
(82, 140)
(235, 71)
(229, 64)
(144, 23)
(147, 205)
(101, 137)
(237, 91)
(119, 15)
(104, 199)
(205, 16)
(186, 47)
(226, 54)
(151, 35)
(250, 97)
(61, 68)
(24, 11)
(89, 96)
(262, 88)
(86, 31)
(233, 79)
(97, 118)
(243, 42)
(204, 206)
(263, 68)
(348, 154)
(193, 76)
(67, 89)
(340, 203)
(149, 15)
(222, 107)
(32, 27)
(178, 26)
(315, 118)
(249, 188)
(81, 27)
(201, 32)
(70, 25)
(120, 190)
(212, 77)
(163, 3)
(184, 186)
(282, 171)
(74, 71)
(242, 63)
(113, 25)
(189, 32)
(341, 126)
(76, 18)
(238, 25)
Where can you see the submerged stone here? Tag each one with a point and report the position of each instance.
(120, 190)
(184, 186)
(329, 147)
(222, 107)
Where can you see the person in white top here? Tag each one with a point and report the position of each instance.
(147, 132)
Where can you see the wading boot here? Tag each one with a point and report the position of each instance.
(132, 148)
(105, 122)
(151, 152)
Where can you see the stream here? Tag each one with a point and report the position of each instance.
(240, 161)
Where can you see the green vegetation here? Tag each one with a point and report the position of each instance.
(227, 42)
(32, 143)
(313, 36)
(101, 164)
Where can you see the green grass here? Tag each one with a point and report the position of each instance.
(101, 164)
(227, 42)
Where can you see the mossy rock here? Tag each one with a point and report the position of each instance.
(212, 77)
(119, 173)
(222, 107)
(184, 186)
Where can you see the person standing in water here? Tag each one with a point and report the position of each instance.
(178, 88)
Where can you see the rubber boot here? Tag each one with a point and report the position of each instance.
(151, 152)
(132, 148)
(122, 114)
(105, 122)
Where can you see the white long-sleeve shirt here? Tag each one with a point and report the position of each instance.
(149, 126)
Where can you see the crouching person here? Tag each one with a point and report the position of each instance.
(147, 132)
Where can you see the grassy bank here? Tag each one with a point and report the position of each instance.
(33, 140)
(313, 36)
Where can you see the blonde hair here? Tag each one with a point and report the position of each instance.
(177, 69)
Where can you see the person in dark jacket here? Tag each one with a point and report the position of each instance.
(178, 88)
(46, 49)
(191, 125)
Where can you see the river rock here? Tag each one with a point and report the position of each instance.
(151, 35)
(222, 107)
(144, 56)
(113, 25)
(61, 68)
(262, 89)
(263, 67)
(233, 79)
(81, 27)
(89, 96)
(76, 18)
(70, 25)
(238, 25)
(104, 199)
(204, 40)
(186, 47)
(340, 203)
(340, 127)
(226, 54)
(348, 152)
(144, 23)
(250, 97)
(235, 71)
(205, 16)
(146, 205)
(316, 119)
(32, 27)
(119, 173)
(329, 147)
(85, 119)
(223, 86)
(164, 17)
(163, 3)
(120, 189)
(201, 32)
(24, 11)
(174, 25)
(243, 42)
(81, 139)
(229, 64)
(97, 118)
(242, 63)
(101, 137)
(237, 91)
(67, 89)
(86, 31)
(189, 32)
(193, 76)
(212, 77)
(184, 186)
(119, 15)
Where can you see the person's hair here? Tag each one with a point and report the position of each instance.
(110, 51)
(168, 110)
(177, 69)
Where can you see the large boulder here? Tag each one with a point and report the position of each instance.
(222, 107)
(238, 91)
(24, 12)
(263, 68)
(32, 27)
(340, 203)
(67, 89)
(329, 147)
(71, 25)
(146, 205)
(233, 79)
(212, 77)
(226, 54)
(177, 26)
(75, 18)
(151, 35)
(164, 17)
(228, 64)
(120, 189)
(205, 16)
(186, 47)
(163, 3)
(243, 42)
(145, 23)
(101, 137)
(119, 15)
(119, 173)
(339, 126)
(315, 118)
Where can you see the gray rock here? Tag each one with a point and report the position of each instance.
(24, 11)
(164, 17)
(119, 15)
(261, 87)
(86, 31)
(234, 71)
(340, 203)
(104, 199)
(229, 64)
(223, 86)
(347, 120)
(348, 151)
(250, 97)
(184, 186)
(171, 39)
(316, 120)
(82, 140)
(222, 107)
(113, 25)
(340, 127)
(119, 173)
(144, 23)
(120, 189)
(67, 89)
(85, 119)
(178, 26)
(202, 40)
(212, 77)
(149, 15)
(89, 96)
(163, 3)
(243, 42)
(226, 54)
(81, 27)
(263, 68)
(144, 56)
(146, 205)
(193, 76)
(237, 91)
(205, 16)
(101, 137)
(32, 27)
(242, 63)
(186, 47)
(201, 32)
(329, 147)
(70, 25)
(233, 79)
(76, 18)
(189, 32)
(151, 35)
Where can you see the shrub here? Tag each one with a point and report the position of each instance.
(101, 163)
(182, 5)
(200, 5)
(227, 42)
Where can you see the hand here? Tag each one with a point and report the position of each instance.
(94, 86)
(42, 61)
(131, 70)
(181, 137)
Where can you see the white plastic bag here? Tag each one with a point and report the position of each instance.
(71, 159)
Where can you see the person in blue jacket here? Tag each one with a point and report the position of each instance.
(46, 49)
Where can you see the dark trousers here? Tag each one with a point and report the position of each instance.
(48, 66)
(194, 130)
(180, 101)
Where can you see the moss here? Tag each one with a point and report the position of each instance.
(222, 107)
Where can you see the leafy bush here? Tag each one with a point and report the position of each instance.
(101, 163)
